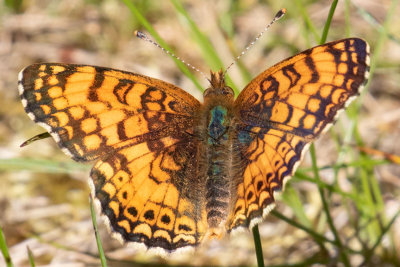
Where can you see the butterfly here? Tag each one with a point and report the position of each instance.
(170, 171)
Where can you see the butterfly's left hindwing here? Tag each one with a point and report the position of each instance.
(146, 192)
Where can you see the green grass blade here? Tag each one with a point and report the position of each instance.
(316, 236)
(30, 256)
(42, 165)
(208, 50)
(328, 22)
(331, 188)
(325, 206)
(379, 240)
(374, 22)
(227, 25)
(103, 259)
(292, 199)
(143, 21)
(356, 163)
(15, 5)
(209, 53)
(347, 17)
(258, 246)
(307, 20)
(370, 202)
(383, 36)
(376, 53)
(4, 250)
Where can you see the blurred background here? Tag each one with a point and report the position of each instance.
(44, 194)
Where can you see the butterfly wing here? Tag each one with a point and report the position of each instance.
(91, 111)
(282, 110)
(146, 192)
(139, 130)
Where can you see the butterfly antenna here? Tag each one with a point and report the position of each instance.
(143, 36)
(277, 17)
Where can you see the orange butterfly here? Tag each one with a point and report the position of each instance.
(170, 171)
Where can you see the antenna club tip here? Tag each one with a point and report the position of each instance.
(280, 13)
(139, 34)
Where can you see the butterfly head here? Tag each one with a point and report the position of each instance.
(218, 87)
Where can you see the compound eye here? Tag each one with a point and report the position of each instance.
(227, 91)
(206, 92)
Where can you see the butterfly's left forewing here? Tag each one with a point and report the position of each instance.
(91, 111)
(282, 110)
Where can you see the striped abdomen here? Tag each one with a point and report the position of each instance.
(218, 154)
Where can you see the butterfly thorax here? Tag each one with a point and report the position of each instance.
(216, 126)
